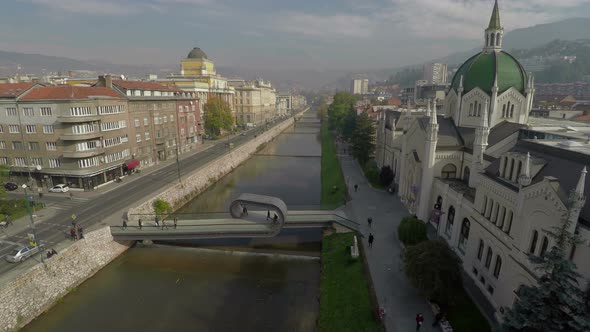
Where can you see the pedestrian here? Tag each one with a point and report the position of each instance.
(268, 215)
(356, 187)
(244, 211)
(124, 224)
(157, 222)
(370, 221)
(371, 238)
(139, 223)
(437, 318)
(81, 232)
(175, 222)
(419, 321)
(275, 218)
(73, 234)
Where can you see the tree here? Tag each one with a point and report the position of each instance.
(386, 176)
(363, 144)
(556, 303)
(161, 207)
(218, 116)
(433, 269)
(341, 107)
(411, 231)
(4, 172)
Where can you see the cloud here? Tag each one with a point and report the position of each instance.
(328, 26)
(95, 7)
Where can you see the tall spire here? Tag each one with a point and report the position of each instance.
(433, 119)
(483, 122)
(428, 107)
(581, 182)
(495, 19)
(525, 179)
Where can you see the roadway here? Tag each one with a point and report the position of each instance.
(90, 212)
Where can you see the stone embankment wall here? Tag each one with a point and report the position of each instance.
(38, 289)
(200, 180)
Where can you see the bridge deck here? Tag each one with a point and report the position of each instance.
(255, 226)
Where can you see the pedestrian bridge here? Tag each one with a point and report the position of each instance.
(237, 223)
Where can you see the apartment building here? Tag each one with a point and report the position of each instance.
(64, 134)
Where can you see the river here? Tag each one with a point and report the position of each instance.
(173, 288)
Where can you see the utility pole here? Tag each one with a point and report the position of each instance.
(28, 205)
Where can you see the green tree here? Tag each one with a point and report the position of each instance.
(218, 116)
(4, 172)
(342, 107)
(161, 207)
(556, 303)
(363, 138)
(386, 176)
(434, 269)
(411, 231)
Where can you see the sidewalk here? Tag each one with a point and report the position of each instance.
(394, 292)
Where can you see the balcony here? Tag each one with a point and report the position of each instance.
(83, 154)
(80, 137)
(78, 119)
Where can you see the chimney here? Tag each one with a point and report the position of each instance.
(106, 81)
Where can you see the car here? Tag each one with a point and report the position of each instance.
(22, 253)
(10, 186)
(60, 188)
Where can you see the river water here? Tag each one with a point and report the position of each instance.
(172, 288)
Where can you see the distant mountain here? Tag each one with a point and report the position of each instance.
(570, 29)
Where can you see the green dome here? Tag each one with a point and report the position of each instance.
(196, 53)
(480, 70)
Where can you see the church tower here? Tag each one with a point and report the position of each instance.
(428, 164)
(479, 147)
(494, 33)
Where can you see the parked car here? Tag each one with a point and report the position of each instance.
(10, 186)
(60, 188)
(22, 253)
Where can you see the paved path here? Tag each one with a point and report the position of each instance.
(394, 292)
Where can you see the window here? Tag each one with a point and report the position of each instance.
(172, 118)
(110, 109)
(28, 111)
(34, 146)
(17, 145)
(480, 250)
(512, 111)
(492, 39)
(107, 126)
(46, 111)
(489, 255)
(485, 205)
(165, 119)
(48, 129)
(474, 270)
(471, 109)
(88, 162)
(466, 174)
(54, 163)
(31, 129)
(449, 171)
(117, 156)
(504, 110)
(464, 236)
(544, 246)
(450, 220)
(138, 137)
(19, 161)
(51, 146)
(11, 111)
(136, 122)
(490, 289)
(2, 145)
(156, 120)
(179, 108)
(145, 121)
(13, 129)
(83, 129)
(509, 177)
(80, 111)
(3, 160)
(508, 224)
(147, 135)
(478, 109)
(497, 266)
(37, 161)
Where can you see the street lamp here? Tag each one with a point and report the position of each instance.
(35, 241)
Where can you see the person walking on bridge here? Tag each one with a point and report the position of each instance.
(175, 222)
(371, 239)
(370, 221)
(244, 211)
(139, 223)
(124, 224)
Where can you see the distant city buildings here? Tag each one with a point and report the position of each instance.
(435, 73)
(359, 86)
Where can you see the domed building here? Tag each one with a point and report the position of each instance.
(493, 77)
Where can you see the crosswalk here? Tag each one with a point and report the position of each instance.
(66, 204)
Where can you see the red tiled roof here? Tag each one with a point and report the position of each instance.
(70, 92)
(584, 118)
(141, 85)
(14, 89)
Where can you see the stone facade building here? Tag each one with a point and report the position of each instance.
(487, 179)
(255, 101)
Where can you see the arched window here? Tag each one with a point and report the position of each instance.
(504, 110)
(498, 39)
(464, 235)
(480, 250)
(497, 266)
(544, 246)
(479, 110)
(449, 171)
(511, 111)
(508, 224)
(519, 169)
(487, 40)
(509, 177)
(492, 39)
(501, 217)
(466, 174)
(471, 109)
(505, 166)
(489, 255)
(534, 242)
(450, 220)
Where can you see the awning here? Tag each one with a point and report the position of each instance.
(131, 164)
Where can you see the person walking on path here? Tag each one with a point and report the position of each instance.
(419, 321)
(157, 222)
(139, 223)
(371, 238)
(370, 221)
(356, 187)
(124, 224)
(244, 211)
(268, 215)
(175, 222)
(164, 224)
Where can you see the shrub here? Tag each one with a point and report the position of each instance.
(386, 176)
(161, 207)
(411, 231)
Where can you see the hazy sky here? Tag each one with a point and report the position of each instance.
(310, 34)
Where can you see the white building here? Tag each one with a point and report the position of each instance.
(359, 87)
(489, 180)
(435, 73)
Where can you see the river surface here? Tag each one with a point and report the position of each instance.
(171, 288)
